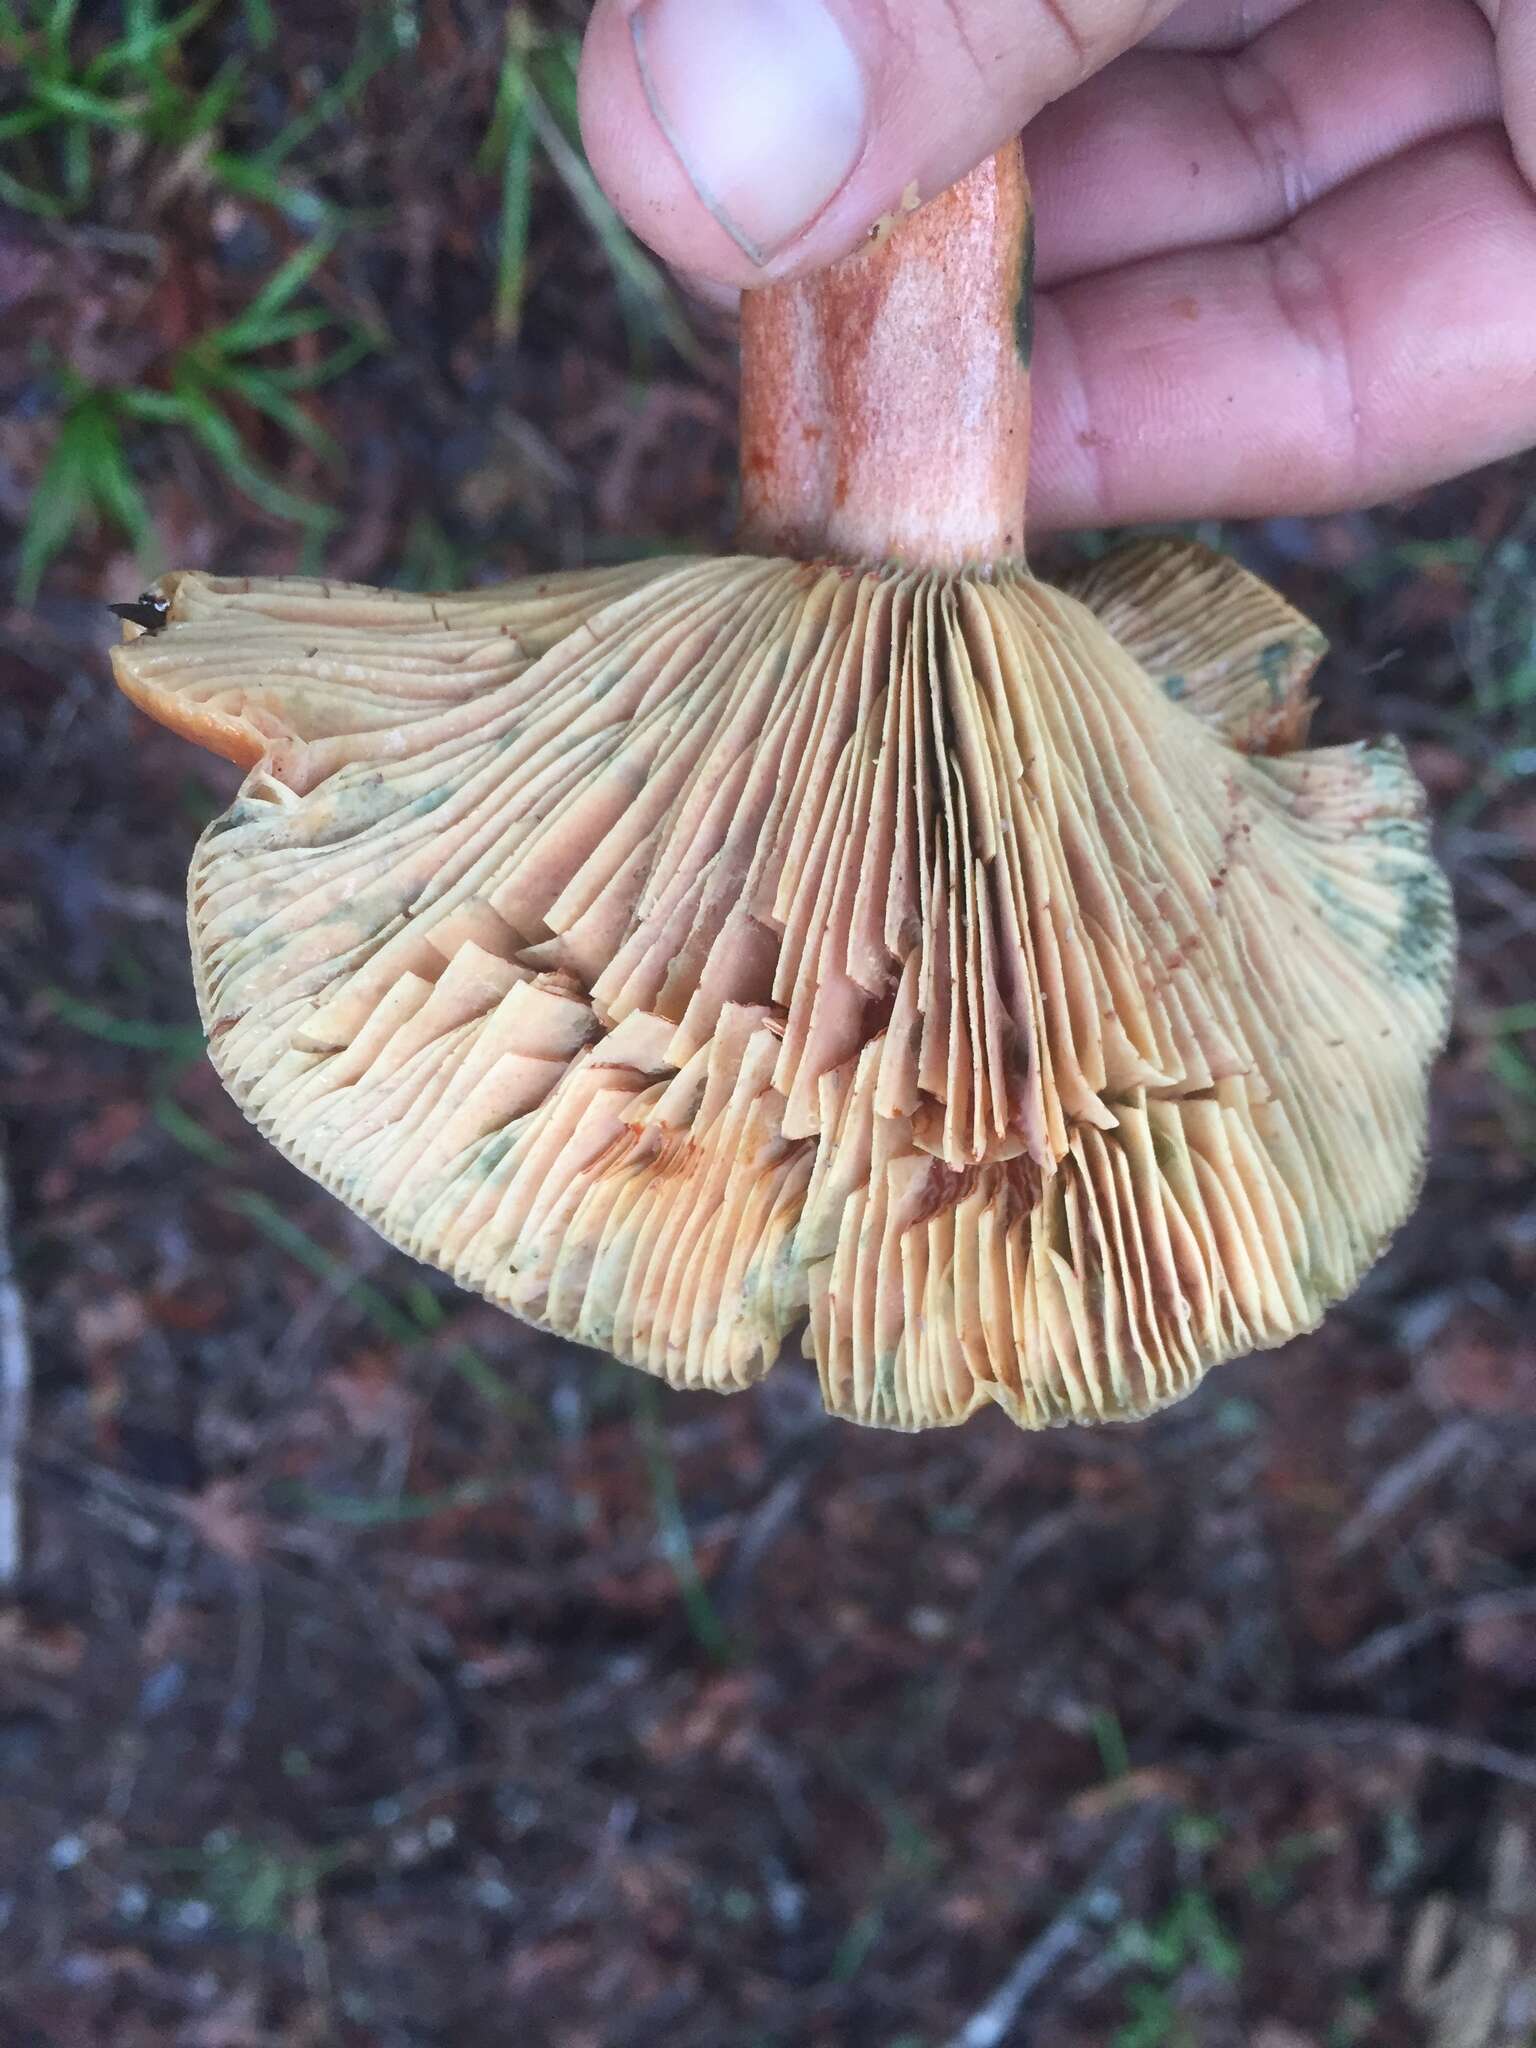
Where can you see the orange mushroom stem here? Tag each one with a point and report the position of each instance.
(885, 402)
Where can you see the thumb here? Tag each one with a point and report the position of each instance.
(755, 139)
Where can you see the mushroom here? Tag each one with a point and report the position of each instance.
(853, 936)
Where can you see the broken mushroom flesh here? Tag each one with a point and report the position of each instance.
(855, 940)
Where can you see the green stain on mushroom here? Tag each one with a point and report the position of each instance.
(1024, 304)
(1274, 667)
(1349, 921)
(885, 1379)
(1423, 946)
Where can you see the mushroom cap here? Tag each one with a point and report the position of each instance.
(980, 977)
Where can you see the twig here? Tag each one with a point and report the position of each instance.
(1495, 888)
(1033, 1542)
(1466, 1752)
(1400, 1482)
(803, 1450)
(241, 1701)
(130, 1743)
(1093, 1905)
(309, 1930)
(1321, 1731)
(15, 1394)
(138, 1512)
(1374, 1652)
(759, 1533)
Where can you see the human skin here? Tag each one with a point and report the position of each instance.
(1287, 248)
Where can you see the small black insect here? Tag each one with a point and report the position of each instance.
(149, 610)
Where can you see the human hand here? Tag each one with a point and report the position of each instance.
(1287, 248)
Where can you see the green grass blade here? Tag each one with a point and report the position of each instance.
(62, 97)
(374, 53)
(709, 1631)
(220, 437)
(1109, 1740)
(255, 327)
(483, 1379)
(204, 114)
(58, 25)
(1513, 1072)
(111, 482)
(77, 141)
(554, 65)
(60, 499)
(259, 24)
(651, 310)
(511, 88)
(159, 408)
(258, 390)
(292, 325)
(512, 228)
(509, 147)
(250, 180)
(310, 376)
(149, 37)
(25, 121)
(192, 1137)
(27, 199)
(430, 559)
(185, 1041)
(359, 1512)
(407, 1329)
(375, 1306)
(87, 472)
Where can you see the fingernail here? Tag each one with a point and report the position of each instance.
(763, 102)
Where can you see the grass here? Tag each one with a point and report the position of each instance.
(409, 1322)
(172, 94)
(79, 111)
(67, 105)
(1188, 1941)
(1496, 639)
(535, 123)
(91, 474)
(910, 1857)
(359, 1511)
(704, 1622)
(1109, 1740)
(1275, 1880)
(182, 1041)
(249, 1886)
(1497, 644)
(182, 1047)
(409, 1326)
(1511, 1062)
(1354, 2021)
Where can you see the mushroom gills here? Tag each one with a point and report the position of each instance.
(981, 978)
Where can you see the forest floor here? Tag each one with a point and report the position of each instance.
(383, 1675)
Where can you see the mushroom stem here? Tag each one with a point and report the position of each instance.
(885, 402)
